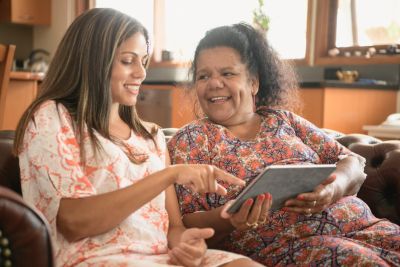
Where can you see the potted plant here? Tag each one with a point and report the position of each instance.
(260, 19)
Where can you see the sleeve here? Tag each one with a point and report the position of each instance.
(190, 146)
(50, 161)
(328, 149)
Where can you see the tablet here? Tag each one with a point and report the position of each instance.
(283, 182)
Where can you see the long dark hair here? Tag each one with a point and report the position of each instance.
(277, 79)
(80, 73)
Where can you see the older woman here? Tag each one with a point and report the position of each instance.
(241, 84)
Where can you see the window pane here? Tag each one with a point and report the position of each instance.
(142, 10)
(188, 20)
(288, 27)
(377, 22)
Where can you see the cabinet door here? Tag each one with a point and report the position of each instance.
(20, 95)
(348, 109)
(30, 12)
(313, 105)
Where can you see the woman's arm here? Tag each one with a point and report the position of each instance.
(349, 176)
(78, 218)
(346, 180)
(187, 246)
(212, 219)
(82, 217)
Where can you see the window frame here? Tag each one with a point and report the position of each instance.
(325, 36)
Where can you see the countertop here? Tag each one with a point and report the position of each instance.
(340, 84)
(27, 76)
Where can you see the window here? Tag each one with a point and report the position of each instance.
(186, 21)
(142, 10)
(357, 32)
(356, 26)
(183, 23)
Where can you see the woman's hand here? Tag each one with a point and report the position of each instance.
(316, 201)
(251, 214)
(191, 249)
(202, 178)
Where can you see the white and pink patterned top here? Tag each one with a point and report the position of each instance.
(51, 169)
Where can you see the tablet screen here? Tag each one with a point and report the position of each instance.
(283, 182)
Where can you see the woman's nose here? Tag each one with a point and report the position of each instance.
(216, 82)
(139, 71)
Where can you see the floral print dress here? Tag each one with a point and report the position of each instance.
(51, 169)
(345, 234)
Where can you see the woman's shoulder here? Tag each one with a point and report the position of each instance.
(195, 129)
(151, 127)
(49, 107)
(274, 112)
(197, 126)
(51, 114)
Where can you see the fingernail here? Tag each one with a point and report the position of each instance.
(267, 196)
(249, 201)
(260, 197)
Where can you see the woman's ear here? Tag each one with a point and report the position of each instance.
(254, 85)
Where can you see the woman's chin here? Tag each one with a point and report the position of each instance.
(222, 120)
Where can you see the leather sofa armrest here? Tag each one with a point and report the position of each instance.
(381, 188)
(24, 232)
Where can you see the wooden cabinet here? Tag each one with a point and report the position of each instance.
(347, 109)
(166, 105)
(29, 12)
(22, 90)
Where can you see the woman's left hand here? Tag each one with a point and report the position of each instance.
(191, 249)
(313, 202)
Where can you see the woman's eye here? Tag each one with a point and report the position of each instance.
(228, 74)
(126, 62)
(201, 77)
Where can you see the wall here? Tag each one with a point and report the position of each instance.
(27, 38)
(19, 35)
(62, 14)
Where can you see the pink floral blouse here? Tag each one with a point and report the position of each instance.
(51, 169)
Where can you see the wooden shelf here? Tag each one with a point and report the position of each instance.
(378, 59)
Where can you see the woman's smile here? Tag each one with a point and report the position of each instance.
(219, 99)
(132, 88)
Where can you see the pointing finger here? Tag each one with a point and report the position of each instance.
(227, 177)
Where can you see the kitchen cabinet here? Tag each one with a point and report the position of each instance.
(347, 110)
(167, 105)
(22, 90)
(28, 12)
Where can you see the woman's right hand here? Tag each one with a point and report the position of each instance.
(251, 214)
(203, 178)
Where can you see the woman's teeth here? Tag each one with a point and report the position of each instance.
(219, 98)
(132, 88)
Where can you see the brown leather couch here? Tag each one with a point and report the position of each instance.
(381, 189)
(24, 233)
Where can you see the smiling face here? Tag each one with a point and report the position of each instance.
(128, 71)
(223, 86)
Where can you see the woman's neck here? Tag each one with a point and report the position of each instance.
(117, 127)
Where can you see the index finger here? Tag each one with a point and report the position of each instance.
(227, 177)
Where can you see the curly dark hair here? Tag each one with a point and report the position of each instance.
(277, 78)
